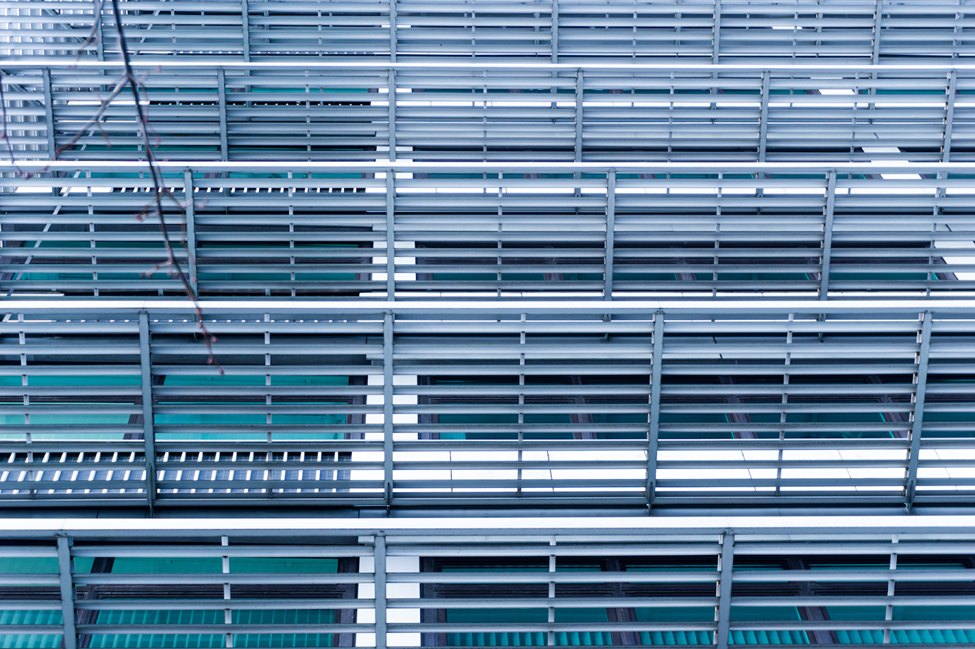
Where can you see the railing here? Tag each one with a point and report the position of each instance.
(587, 231)
(726, 31)
(708, 404)
(461, 111)
(506, 582)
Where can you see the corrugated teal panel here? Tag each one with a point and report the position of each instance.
(162, 640)
(31, 617)
(29, 641)
(675, 637)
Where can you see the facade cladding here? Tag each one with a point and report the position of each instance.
(537, 323)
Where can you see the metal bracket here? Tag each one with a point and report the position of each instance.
(827, 236)
(949, 115)
(610, 232)
(654, 419)
(188, 196)
(149, 434)
(918, 422)
(391, 235)
(245, 15)
(724, 589)
(388, 408)
(67, 593)
(52, 149)
(222, 108)
(379, 579)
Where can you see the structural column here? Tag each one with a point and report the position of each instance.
(147, 418)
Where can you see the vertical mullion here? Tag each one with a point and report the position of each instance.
(147, 424)
(555, 31)
(392, 31)
(67, 593)
(878, 12)
(716, 54)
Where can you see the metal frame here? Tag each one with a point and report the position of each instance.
(680, 549)
(725, 30)
(321, 111)
(651, 228)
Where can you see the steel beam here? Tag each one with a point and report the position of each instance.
(724, 590)
(653, 435)
(52, 149)
(148, 426)
(379, 572)
(222, 108)
(67, 593)
(610, 232)
(388, 408)
(190, 210)
(827, 236)
(917, 423)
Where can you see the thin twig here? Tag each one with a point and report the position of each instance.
(160, 189)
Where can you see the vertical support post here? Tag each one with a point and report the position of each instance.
(555, 31)
(148, 430)
(580, 82)
(878, 12)
(715, 57)
(949, 116)
(917, 422)
(724, 590)
(67, 593)
(654, 420)
(245, 16)
(188, 196)
(379, 577)
(228, 640)
(388, 408)
(763, 124)
(392, 114)
(222, 107)
(827, 236)
(391, 235)
(610, 232)
(52, 149)
(392, 31)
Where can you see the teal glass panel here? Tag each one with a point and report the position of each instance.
(673, 616)
(166, 565)
(29, 641)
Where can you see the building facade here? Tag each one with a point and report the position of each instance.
(508, 323)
